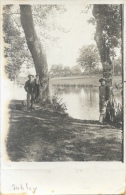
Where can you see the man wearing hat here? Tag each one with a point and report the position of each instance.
(104, 95)
(30, 89)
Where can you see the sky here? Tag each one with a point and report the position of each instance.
(79, 32)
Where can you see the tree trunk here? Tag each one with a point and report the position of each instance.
(104, 50)
(90, 70)
(37, 51)
(103, 47)
(105, 35)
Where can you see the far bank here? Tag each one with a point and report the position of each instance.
(82, 80)
(76, 80)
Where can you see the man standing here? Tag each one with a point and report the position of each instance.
(30, 89)
(104, 96)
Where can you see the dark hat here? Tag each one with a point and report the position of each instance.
(102, 79)
(30, 75)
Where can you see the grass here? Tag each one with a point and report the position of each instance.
(45, 135)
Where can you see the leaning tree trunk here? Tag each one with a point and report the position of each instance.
(37, 51)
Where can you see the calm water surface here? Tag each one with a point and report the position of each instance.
(82, 103)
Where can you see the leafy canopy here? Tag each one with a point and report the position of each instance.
(59, 70)
(15, 48)
(88, 57)
(108, 19)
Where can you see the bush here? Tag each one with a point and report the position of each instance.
(57, 104)
(114, 112)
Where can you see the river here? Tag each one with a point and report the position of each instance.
(81, 102)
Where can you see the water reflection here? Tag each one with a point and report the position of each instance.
(81, 102)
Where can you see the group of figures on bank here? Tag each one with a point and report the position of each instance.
(32, 87)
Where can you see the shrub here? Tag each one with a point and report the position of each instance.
(57, 103)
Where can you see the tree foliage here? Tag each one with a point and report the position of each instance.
(56, 70)
(108, 19)
(117, 66)
(88, 58)
(59, 70)
(15, 48)
(67, 71)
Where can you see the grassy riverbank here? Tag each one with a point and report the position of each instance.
(76, 80)
(81, 80)
(45, 135)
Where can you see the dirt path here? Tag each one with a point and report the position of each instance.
(47, 136)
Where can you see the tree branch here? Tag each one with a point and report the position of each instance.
(15, 22)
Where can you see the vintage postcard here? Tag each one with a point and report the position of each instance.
(63, 97)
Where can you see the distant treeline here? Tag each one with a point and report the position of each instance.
(66, 71)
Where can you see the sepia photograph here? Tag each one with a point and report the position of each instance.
(63, 71)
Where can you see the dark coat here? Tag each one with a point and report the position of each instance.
(104, 92)
(104, 95)
(30, 87)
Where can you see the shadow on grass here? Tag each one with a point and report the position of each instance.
(45, 135)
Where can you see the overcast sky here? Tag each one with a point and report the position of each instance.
(80, 33)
